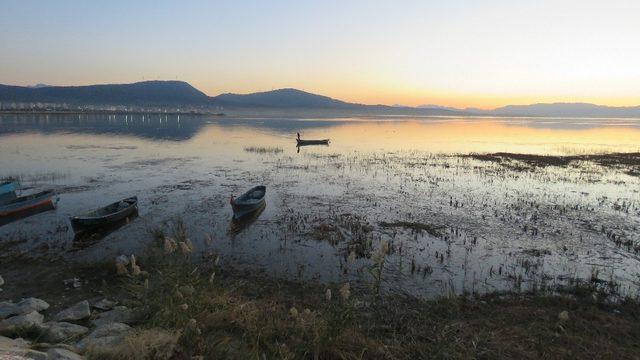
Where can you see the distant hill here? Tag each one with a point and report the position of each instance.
(282, 98)
(567, 110)
(179, 93)
(140, 93)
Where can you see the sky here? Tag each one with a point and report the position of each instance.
(460, 53)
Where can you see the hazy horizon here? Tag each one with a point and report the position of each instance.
(460, 54)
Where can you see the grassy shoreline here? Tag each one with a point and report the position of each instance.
(201, 310)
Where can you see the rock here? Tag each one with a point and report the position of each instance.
(104, 337)
(63, 354)
(1, 280)
(563, 316)
(22, 354)
(25, 306)
(74, 283)
(6, 342)
(22, 321)
(104, 305)
(119, 314)
(8, 309)
(32, 304)
(11, 349)
(63, 331)
(123, 259)
(78, 311)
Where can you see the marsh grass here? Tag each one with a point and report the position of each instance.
(240, 315)
(263, 149)
(230, 319)
(22, 178)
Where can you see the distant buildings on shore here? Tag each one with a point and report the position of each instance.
(40, 107)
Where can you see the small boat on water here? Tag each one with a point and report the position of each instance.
(106, 215)
(41, 201)
(248, 202)
(312, 142)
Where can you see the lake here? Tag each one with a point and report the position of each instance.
(455, 220)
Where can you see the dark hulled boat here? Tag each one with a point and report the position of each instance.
(301, 142)
(248, 202)
(106, 215)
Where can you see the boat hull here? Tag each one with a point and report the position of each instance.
(93, 220)
(26, 206)
(7, 197)
(242, 211)
(312, 142)
(249, 202)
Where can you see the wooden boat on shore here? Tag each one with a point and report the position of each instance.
(248, 202)
(301, 142)
(106, 215)
(8, 192)
(41, 201)
(7, 187)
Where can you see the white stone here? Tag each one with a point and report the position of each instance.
(78, 311)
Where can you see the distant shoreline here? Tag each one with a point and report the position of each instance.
(105, 112)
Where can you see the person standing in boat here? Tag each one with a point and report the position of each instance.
(298, 136)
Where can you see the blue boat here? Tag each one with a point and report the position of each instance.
(7, 187)
(7, 192)
(41, 201)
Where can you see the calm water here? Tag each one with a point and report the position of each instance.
(497, 227)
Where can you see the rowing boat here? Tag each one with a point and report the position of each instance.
(312, 142)
(8, 187)
(106, 215)
(248, 202)
(31, 203)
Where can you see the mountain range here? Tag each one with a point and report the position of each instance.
(179, 93)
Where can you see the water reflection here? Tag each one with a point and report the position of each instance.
(456, 135)
(329, 200)
(156, 127)
(238, 225)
